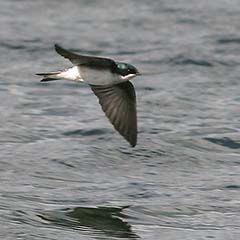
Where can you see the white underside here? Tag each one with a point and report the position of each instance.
(71, 74)
(92, 76)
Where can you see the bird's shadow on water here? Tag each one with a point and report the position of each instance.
(100, 221)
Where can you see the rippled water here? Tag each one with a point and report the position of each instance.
(65, 173)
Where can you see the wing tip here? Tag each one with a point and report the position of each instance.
(133, 144)
(58, 48)
(132, 140)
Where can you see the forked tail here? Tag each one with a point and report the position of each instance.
(51, 76)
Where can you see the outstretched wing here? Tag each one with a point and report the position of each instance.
(94, 62)
(119, 104)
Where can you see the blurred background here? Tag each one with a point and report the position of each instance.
(66, 174)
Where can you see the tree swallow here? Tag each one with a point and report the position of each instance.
(109, 81)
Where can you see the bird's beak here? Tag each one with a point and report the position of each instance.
(138, 74)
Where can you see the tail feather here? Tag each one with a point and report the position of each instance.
(51, 76)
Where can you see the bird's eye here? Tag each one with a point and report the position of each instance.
(121, 66)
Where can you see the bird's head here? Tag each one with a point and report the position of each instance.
(126, 71)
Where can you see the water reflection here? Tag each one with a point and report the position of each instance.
(103, 221)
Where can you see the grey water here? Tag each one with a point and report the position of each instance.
(66, 174)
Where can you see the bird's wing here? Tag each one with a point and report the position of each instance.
(76, 59)
(119, 104)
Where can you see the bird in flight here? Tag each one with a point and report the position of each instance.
(109, 81)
